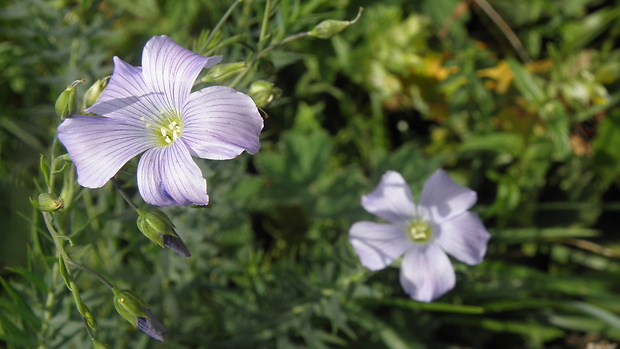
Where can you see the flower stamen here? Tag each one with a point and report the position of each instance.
(170, 128)
(419, 231)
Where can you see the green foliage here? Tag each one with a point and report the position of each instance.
(531, 125)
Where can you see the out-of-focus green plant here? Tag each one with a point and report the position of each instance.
(531, 124)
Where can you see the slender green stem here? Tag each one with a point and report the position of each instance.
(259, 54)
(47, 217)
(78, 300)
(88, 329)
(284, 42)
(117, 185)
(263, 28)
(219, 25)
(52, 168)
(513, 39)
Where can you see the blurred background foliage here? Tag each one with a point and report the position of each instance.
(516, 99)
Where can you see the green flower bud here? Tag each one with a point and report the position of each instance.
(263, 92)
(94, 92)
(98, 345)
(223, 72)
(65, 104)
(156, 226)
(48, 202)
(137, 312)
(90, 320)
(330, 27)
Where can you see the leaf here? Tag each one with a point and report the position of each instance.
(34, 279)
(21, 341)
(45, 170)
(434, 306)
(392, 339)
(499, 142)
(63, 272)
(300, 160)
(606, 316)
(579, 33)
(538, 333)
(23, 311)
(558, 127)
(534, 234)
(529, 85)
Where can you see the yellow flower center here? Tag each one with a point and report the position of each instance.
(419, 231)
(168, 129)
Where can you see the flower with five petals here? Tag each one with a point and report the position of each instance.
(151, 110)
(440, 223)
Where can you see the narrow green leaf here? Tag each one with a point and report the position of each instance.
(537, 332)
(500, 142)
(20, 341)
(23, 311)
(44, 170)
(530, 87)
(510, 305)
(392, 340)
(581, 32)
(63, 272)
(606, 316)
(435, 306)
(35, 280)
(533, 234)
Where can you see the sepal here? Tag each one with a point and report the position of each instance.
(158, 227)
(263, 92)
(137, 312)
(48, 202)
(94, 92)
(65, 104)
(223, 72)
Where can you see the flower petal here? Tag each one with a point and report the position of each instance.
(172, 69)
(464, 237)
(168, 176)
(426, 273)
(175, 243)
(100, 146)
(126, 97)
(391, 200)
(444, 199)
(220, 123)
(377, 245)
(151, 326)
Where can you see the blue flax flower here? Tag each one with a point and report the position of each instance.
(151, 110)
(422, 233)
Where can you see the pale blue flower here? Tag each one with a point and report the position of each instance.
(421, 233)
(151, 110)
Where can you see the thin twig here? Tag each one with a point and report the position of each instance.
(218, 25)
(123, 194)
(592, 247)
(505, 28)
(263, 28)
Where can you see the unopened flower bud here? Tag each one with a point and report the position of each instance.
(65, 104)
(331, 27)
(137, 312)
(263, 92)
(156, 226)
(90, 320)
(48, 202)
(223, 72)
(94, 92)
(98, 345)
